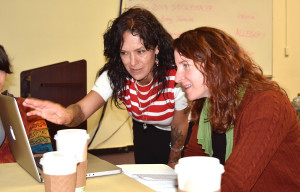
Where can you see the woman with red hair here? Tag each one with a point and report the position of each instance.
(246, 121)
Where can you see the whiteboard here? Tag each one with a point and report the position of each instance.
(250, 22)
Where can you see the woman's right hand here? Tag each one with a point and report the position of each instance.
(50, 111)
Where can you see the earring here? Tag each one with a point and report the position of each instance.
(156, 60)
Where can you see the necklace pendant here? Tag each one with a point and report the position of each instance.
(144, 126)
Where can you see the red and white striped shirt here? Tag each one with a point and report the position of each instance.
(142, 103)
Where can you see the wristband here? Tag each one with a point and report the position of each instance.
(176, 150)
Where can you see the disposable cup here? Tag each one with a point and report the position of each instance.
(59, 171)
(74, 142)
(199, 174)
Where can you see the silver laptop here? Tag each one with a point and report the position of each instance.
(21, 150)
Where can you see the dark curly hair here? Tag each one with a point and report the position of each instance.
(140, 22)
(4, 61)
(226, 67)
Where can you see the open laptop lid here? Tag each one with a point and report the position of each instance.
(21, 150)
(16, 135)
(99, 167)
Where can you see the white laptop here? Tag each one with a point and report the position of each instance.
(21, 150)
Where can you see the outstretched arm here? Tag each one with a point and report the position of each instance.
(48, 110)
(179, 129)
(71, 116)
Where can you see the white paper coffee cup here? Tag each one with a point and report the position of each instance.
(199, 173)
(59, 172)
(72, 141)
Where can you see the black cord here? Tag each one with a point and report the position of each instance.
(104, 107)
(99, 124)
(115, 131)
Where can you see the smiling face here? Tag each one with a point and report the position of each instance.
(137, 60)
(2, 79)
(190, 78)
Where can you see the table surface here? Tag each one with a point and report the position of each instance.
(14, 178)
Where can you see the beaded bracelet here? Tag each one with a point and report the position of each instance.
(176, 150)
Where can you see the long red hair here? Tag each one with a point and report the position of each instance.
(226, 67)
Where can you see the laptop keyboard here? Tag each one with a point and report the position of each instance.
(37, 161)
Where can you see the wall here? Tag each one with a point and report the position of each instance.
(41, 32)
(286, 70)
(248, 22)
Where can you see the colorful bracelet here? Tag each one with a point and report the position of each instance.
(176, 150)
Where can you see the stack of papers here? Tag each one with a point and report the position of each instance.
(159, 177)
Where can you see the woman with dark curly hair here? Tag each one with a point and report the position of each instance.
(245, 120)
(140, 73)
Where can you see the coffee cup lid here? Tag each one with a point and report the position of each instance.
(78, 133)
(199, 163)
(58, 163)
